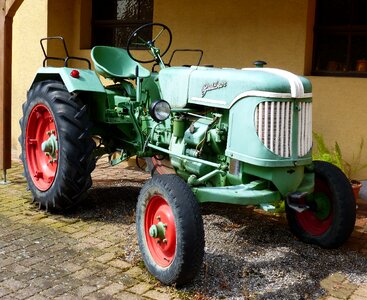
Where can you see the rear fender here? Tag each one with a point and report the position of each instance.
(87, 81)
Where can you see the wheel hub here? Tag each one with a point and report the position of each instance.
(49, 146)
(323, 206)
(158, 231)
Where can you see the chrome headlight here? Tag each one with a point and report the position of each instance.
(160, 110)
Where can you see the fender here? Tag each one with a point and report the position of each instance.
(88, 80)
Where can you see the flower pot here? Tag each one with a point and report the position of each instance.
(356, 186)
(361, 65)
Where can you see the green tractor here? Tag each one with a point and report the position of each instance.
(237, 136)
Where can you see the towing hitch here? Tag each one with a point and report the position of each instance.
(296, 201)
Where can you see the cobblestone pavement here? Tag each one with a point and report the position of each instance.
(86, 254)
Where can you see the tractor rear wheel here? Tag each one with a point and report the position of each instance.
(170, 229)
(56, 146)
(330, 218)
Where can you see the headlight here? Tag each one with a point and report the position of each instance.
(160, 110)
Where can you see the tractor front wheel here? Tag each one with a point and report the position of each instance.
(330, 218)
(56, 146)
(170, 229)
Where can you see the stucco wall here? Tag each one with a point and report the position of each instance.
(234, 33)
(339, 112)
(29, 26)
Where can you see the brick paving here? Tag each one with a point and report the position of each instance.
(85, 254)
(71, 256)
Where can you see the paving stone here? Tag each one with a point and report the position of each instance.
(84, 273)
(112, 272)
(67, 296)
(4, 291)
(157, 295)
(361, 290)
(71, 267)
(126, 295)
(118, 263)
(357, 297)
(134, 272)
(112, 289)
(106, 257)
(13, 284)
(140, 288)
(38, 297)
(27, 292)
(85, 290)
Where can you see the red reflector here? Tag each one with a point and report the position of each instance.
(74, 73)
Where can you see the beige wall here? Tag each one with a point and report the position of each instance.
(28, 29)
(339, 112)
(232, 33)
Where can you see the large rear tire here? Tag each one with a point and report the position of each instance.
(56, 146)
(331, 217)
(170, 229)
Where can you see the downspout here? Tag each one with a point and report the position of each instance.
(7, 11)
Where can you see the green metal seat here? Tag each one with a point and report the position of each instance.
(115, 63)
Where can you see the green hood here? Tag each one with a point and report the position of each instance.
(222, 88)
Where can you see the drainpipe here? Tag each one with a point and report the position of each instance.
(8, 9)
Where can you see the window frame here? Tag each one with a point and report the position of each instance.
(348, 31)
(114, 24)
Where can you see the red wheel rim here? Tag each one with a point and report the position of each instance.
(162, 249)
(42, 165)
(310, 220)
(162, 166)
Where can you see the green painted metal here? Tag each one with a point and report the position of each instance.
(222, 87)
(50, 146)
(253, 193)
(178, 127)
(323, 206)
(116, 64)
(88, 80)
(249, 148)
(158, 230)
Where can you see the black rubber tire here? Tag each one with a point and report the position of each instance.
(190, 241)
(343, 208)
(75, 158)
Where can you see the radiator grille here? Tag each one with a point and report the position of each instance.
(304, 128)
(274, 123)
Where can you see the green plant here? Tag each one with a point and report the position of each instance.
(355, 165)
(325, 153)
(335, 157)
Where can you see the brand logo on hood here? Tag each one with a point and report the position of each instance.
(214, 86)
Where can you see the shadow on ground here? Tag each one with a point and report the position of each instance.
(248, 254)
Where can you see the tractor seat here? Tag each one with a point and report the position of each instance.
(115, 63)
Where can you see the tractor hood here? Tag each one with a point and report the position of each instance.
(223, 87)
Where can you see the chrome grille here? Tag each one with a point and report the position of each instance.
(274, 123)
(304, 128)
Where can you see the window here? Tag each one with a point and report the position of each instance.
(340, 40)
(114, 20)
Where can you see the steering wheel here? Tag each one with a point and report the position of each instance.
(136, 40)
